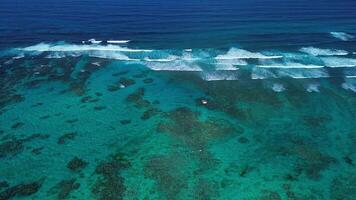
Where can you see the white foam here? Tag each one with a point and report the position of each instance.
(18, 57)
(118, 41)
(235, 53)
(219, 75)
(96, 64)
(173, 66)
(225, 67)
(292, 66)
(313, 87)
(44, 47)
(302, 73)
(349, 84)
(277, 87)
(93, 41)
(323, 52)
(342, 36)
(339, 62)
(261, 73)
(111, 55)
(168, 59)
(188, 50)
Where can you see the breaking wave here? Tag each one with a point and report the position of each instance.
(44, 47)
(342, 36)
(323, 52)
(235, 53)
(339, 62)
(219, 75)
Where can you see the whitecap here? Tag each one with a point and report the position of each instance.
(18, 57)
(219, 75)
(235, 53)
(93, 41)
(168, 59)
(339, 62)
(173, 66)
(349, 84)
(313, 87)
(302, 73)
(342, 36)
(118, 41)
(111, 55)
(44, 47)
(262, 73)
(323, 52)
(277, 87)
(292, 66)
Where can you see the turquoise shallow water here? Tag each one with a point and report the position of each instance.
(228, 100)
(114, 122)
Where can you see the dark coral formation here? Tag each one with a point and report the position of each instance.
(168, 173)
(125, 121)
(148, 80)
(76, 164)
(137, 98)
(64, 188)
(343, 187)
(122, 83)
(66, 137)
(110, 184)
(21, 190)
(185, 124)
(14, 146)
(17, 125)
(150, 113)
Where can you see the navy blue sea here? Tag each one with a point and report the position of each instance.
(240, 100)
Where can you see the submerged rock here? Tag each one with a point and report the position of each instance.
(17, 125)
(125, 121)
(65, 137)
(76, 164)
(11, 148)
(21, 190)
(64, 188)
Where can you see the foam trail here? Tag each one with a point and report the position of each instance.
(342, 36)
(339, 62)
(117, 41)
(235, 53)
(219, 75)
(277, 87)
(43, 47)
(313, 87)
(323, 52)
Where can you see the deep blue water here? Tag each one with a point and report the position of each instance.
(226, 100)
(184, 23)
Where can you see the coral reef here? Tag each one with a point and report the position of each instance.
(65, 137)
(64, 188)
(76, 164)
(21, 190)
(110, 184)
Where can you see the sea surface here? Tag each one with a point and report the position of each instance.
(178, 100)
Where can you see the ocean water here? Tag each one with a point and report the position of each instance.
(240, 100)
